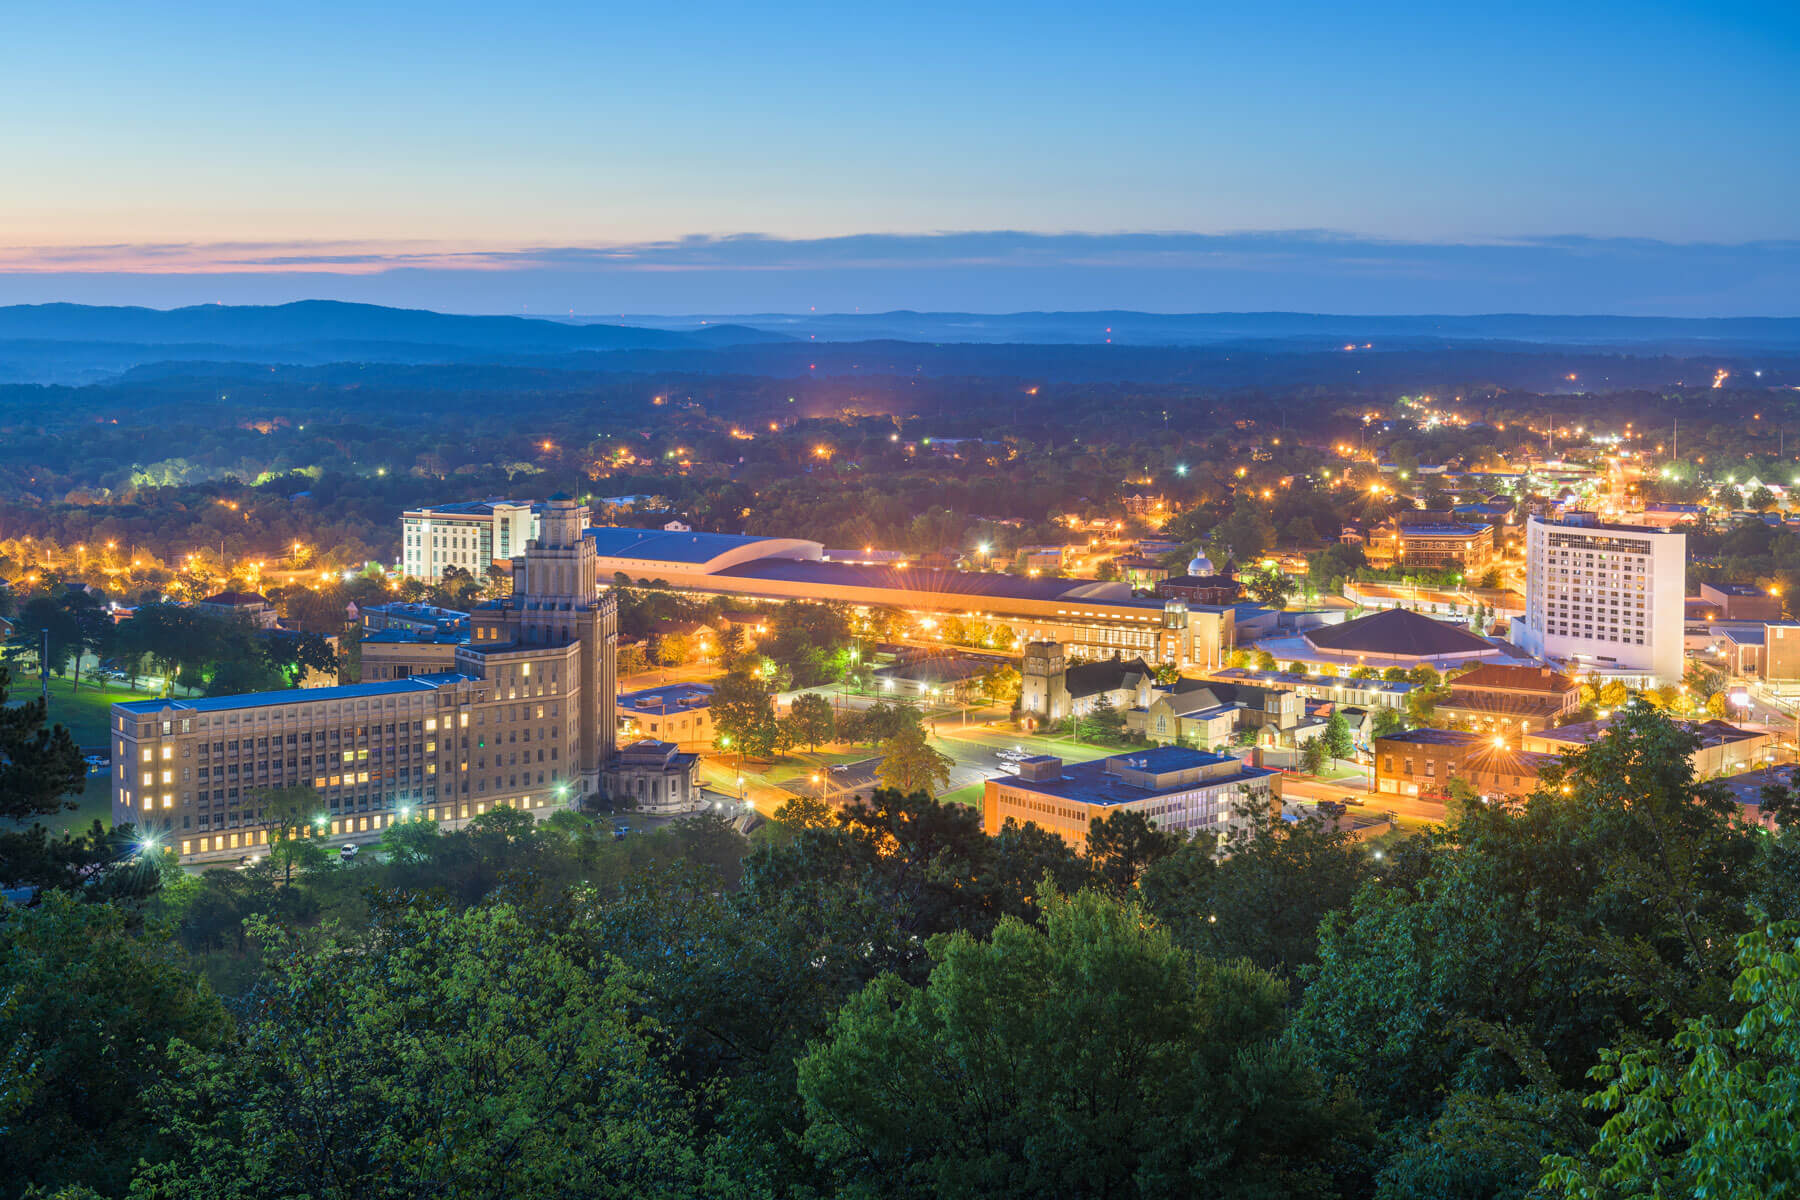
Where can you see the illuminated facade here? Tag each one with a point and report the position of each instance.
(1605, 598)
(471, 536)
(524, 720)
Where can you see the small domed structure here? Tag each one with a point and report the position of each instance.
(1200, 565)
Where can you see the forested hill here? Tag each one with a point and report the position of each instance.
(308, 321)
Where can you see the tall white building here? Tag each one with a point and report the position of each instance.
(470, 535)
(1604, 598)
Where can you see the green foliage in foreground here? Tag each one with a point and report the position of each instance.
(1590, 993)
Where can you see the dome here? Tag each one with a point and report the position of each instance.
(1200, 565)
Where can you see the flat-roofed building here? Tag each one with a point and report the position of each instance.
(524, 720)
(253, 607)
(1741, 602)
(1178, 789)
(472, 535)
(1724, 749)
(680, 713)
(1604, 598)
(399, 654)
(413, 618)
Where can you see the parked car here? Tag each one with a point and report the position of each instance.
(1353, 801)
(97, 763)
(346, 853)
(621, 832)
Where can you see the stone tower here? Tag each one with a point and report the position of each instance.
(1044, 690)
(557, 602)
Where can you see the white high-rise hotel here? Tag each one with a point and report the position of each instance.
(1604, 598)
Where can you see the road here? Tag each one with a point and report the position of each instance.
(1410, 810)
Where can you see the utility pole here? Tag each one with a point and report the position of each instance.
(44, 667)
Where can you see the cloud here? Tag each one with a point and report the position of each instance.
(1005, 270)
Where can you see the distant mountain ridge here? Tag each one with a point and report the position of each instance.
(1124, 327)
(306, 322)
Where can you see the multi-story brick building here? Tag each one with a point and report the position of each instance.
(525, 720)
(1441, 544)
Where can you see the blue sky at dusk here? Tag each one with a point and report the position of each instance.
(1377, 157)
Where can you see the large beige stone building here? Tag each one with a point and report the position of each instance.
(524, 720)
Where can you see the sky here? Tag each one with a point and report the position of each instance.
(601, 158)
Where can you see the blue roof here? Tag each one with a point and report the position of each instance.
(1091, 783)
(612, 541)
(353, 691)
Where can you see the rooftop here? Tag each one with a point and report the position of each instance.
(236, 599)
(1520, 679)
(353, 691)
(691, 548)
(1398, 633)
(1710, 733)
(1138, 775)
(673, 697)
(470, 508)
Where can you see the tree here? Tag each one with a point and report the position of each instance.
(1121, 847)
(42, 615)
(631, 660)
(470, 1054)
(1264, 899)
(908, 764)
(1386, 721)
(1270, 586)
(744, 715)
(1425, 675)
(1338, 741)
(1468, 990)
(1313, 755)
(1714, 1110)
(39, 768)
(294, 813)
(806, 812)
(1102, 722)
(88, 1014)
(1002, 683)
(1007, 1110)
(811, 719)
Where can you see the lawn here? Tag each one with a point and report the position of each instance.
(970, 795)
(86, 713)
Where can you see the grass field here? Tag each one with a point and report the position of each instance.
(85, 713)
(970, 795)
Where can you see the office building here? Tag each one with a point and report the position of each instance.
(1604, 598)
(1178, 789)
(524, 720)
(1438, 544)
(678, 713)
(472, 536)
